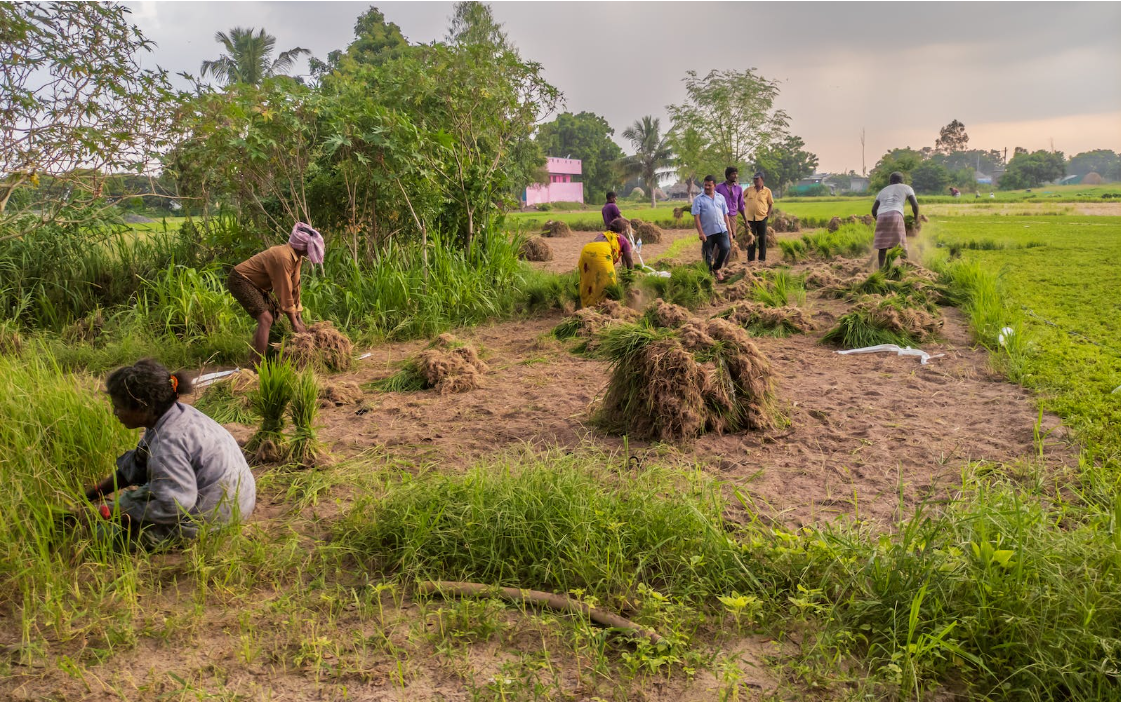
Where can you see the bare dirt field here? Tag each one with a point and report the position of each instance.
(865, 430)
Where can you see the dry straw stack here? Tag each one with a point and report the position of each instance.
(321, 346)
(677, 384)
(649, 233)
(536, 249)
(450, 366)
(554, 229)
(791, 320)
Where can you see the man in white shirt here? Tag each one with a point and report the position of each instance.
(887, 210)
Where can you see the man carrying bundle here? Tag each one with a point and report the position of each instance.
(268, 284)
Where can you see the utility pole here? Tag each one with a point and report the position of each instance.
(863, 170)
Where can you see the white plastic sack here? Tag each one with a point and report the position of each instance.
(908, 351)
(208, 378)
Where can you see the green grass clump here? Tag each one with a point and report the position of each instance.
(554, 522)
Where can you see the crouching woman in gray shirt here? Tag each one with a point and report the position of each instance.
(188, 471)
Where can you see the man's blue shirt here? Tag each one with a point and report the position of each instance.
(713, 211)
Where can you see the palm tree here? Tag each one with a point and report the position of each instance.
(248, 57)
(652, 152)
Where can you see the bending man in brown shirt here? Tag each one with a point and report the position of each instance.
(268, 284)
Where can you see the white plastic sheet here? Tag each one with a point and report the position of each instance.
(906, 351)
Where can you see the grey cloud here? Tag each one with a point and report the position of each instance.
(893, 68)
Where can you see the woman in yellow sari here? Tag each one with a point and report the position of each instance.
(598, 259)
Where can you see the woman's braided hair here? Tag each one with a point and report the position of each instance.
(147, 385)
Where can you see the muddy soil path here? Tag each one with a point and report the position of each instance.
(864, 430)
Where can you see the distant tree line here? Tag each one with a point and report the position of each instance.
(933, 170)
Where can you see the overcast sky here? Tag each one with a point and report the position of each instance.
(1016, 73)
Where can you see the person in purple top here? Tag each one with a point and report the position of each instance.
(733, 195)
(610, 210)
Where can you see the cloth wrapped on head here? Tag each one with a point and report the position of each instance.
(306, 238)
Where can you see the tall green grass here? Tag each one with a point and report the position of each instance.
(985, 594)
(57, 433)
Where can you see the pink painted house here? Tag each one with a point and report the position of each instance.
(560, 187)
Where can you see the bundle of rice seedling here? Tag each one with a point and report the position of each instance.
(743, 287)
(338, 394)
(792, 249)
(761, 320)
(447, 365)
(270, 400)
(535, 249)
(678, 213)
(883, 320)
(735, 254)
(914, 228)
(852, 219)
(556, 229)
(779, 289)
(586, 322)
(821, 276)
(689, 286)
(673, 385)
(664, 314)
(321, 346)
(453, 370)
(772, 240)
(868, 220)
(649, 233)
(834, 224)
(305, 449)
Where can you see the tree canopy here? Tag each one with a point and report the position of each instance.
(1030, 170)
(734, 111)
(77, 107)
(952, 138)
(903, 160)
(930, 178)
(395, 140)
(375, 42)
(784, 162)
(1100, 161)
